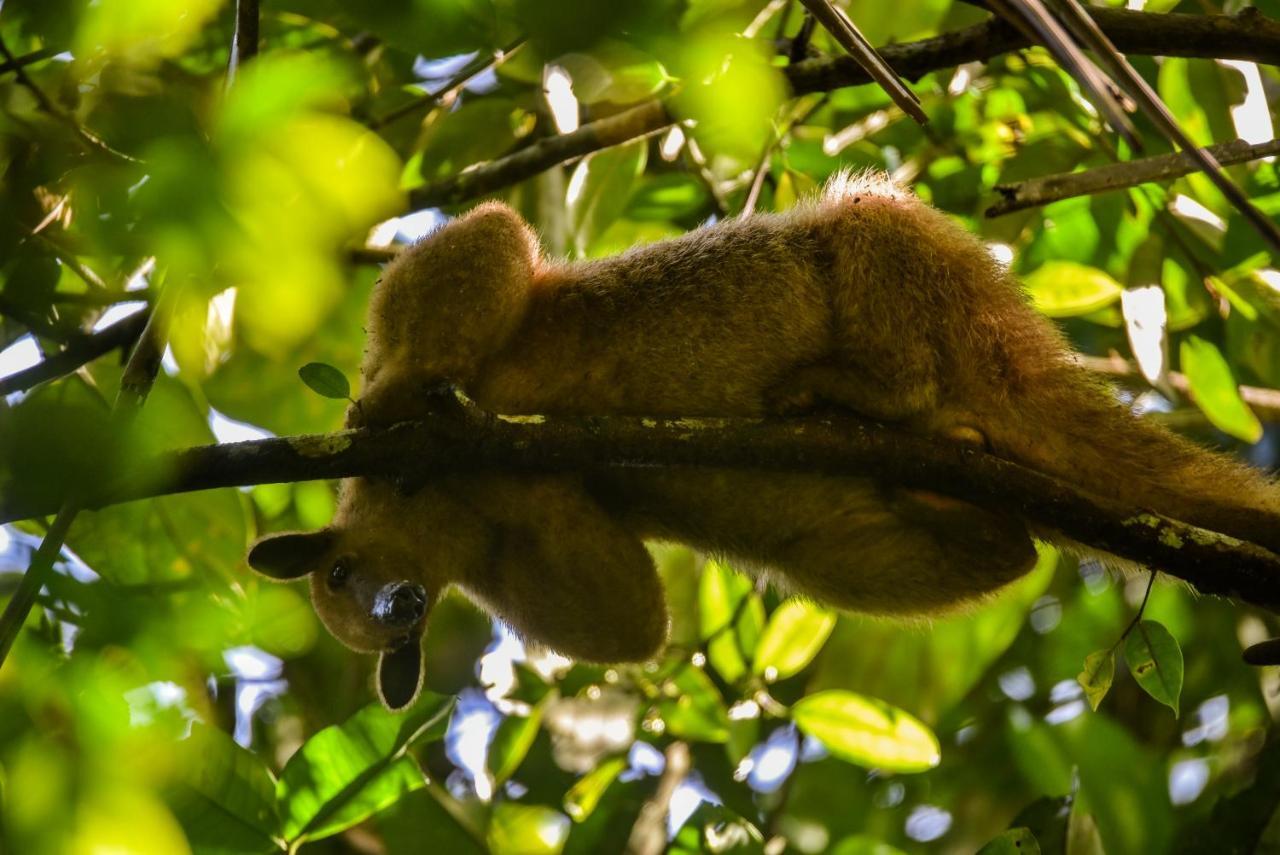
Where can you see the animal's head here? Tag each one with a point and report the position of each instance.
(371, 596)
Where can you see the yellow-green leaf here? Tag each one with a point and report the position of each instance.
(1099, 671)
(1015, 841)
(794, 635)
(583, 796)
(1065, 289)
(867, 731)
(1213, 388)
(1155, 660)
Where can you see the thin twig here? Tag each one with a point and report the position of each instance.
(1246, 36)
(1117, 176)
(450, 88)
(836, 446)
(1265, 403)
(122, 333)
(649, 834)
(797, 114)
(27, 59)
(244, 43)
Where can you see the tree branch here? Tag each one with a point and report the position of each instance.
(1116, 176)
(1248, 36)
(471, 440)
(1265, 403)
(122, 333)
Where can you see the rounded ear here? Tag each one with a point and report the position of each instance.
(290, 555)
(400, 675)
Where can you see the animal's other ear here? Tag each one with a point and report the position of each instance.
(400, 675)
(291, 554)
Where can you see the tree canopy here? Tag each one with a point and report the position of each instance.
(196, 200)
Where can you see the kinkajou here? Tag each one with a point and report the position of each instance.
(864, 298)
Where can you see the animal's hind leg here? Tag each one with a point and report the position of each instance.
(898, 554)
(886, 391)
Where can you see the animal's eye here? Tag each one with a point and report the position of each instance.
(339, 572)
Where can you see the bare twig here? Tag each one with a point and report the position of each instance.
(473, 440)
(1265, 403)
(122, 333)
(1244, 36)
(649, 834)
(451, 87)
(797, 113)
(27, 59)
(1117, 176)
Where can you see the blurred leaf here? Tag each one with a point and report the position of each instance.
(795, 633)
(225, 797)
(348, 772)
(513, 739)
(667, 197)
(431, 820)
(1063, 289)
(694, 709)
(280, 621)
(716, 828)
(518, 829)
(582, 797)
(600, 188)
(1214, 389)
(1015, 841)
(324, 379)
(1099, 671)
(477, 131)
(867, 731)
(1155, 660)
(731, 92)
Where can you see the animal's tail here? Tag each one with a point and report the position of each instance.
(1066, 424)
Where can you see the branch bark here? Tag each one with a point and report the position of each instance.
(122, 333)
(472, 440)
(1116, 176)
(1265, 403)
(1247, 36)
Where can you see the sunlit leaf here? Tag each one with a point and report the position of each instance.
(1213, 388)
(1155, 660)
(324, 379)
(225, 797)
(731, 92)
(1095, 679)
(795, 633)
(518, 829)
(867, 731)
(351, 771)
(720, 593)
(513, 739)
(694, 708)
(1063, 289)
(582, 797)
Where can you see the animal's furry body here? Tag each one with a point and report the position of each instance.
(865, 299)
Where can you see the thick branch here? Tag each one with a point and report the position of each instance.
(1247, 36)
(1116, 176)
(833, 446)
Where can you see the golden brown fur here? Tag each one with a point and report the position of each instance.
(865, 299)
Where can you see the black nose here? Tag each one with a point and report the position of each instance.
(400, 604)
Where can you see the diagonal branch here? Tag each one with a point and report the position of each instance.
(122, 333)
(1044, 189)
(472, 440)
(1248, 36)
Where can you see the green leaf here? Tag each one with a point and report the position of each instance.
(1015, 841)
(1065, 289)
(1155, 660)
(694, 708)
(513, 739)
(349, 772)
(794, 635)
(583, 796)
(720, 590)
(867, 731)
(1095, 679)
(518, 829)
(600, 188)
(1213, 388)
(224, 797)
(325, 380)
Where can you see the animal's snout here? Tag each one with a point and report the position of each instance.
(400, 604)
